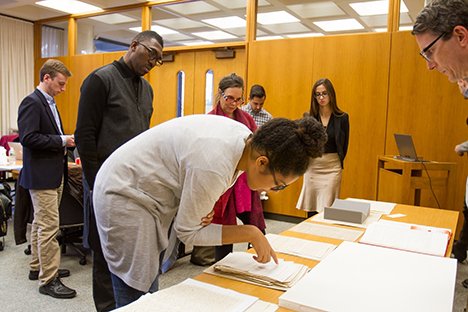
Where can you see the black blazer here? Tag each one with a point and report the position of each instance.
(341, 125)
(44, 159)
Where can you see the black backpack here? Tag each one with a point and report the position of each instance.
(5, 207)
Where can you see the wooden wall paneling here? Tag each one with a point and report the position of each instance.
(80, 66)
(204, 61)
(164, 82)
(284, 69)
(430, 108)
(358, 67)
(110, 57)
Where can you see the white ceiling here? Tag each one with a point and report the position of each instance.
(188, 23)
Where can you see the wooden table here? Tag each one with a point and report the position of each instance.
(400, 181)
(418, 215)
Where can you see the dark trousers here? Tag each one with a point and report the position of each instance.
(124, 294)
(103, 292)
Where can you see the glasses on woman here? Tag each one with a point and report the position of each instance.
(277, 187)
(231, 99)
(319, 95)
(152, 54)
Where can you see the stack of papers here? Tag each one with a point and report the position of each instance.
(242, 267)
(330, 231)
(300, 247)
(196, 296)
(409, 237)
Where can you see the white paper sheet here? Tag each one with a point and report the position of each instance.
(373, 217)
(327, 231)
(359, 277)
(300, 247)
(377, 206)
(194, 296)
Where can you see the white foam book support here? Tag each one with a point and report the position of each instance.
(364, 278)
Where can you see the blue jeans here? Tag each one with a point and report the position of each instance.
(125, 294)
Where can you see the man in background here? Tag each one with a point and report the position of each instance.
(255, 106)
(43, 174)
(116, 104)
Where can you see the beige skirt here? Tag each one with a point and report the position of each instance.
(321, 184)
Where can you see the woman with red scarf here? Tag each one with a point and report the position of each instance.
(238, 201)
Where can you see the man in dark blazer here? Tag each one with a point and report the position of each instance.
(43, 174)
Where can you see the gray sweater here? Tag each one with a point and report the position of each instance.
(182, 167)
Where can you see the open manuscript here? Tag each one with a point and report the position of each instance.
(242, 267)
(409, 237)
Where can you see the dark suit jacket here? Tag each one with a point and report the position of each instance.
(44, 162)
(341, 125)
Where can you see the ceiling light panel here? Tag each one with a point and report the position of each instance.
(113, 19)
(159, 29)
(269, 38)
(374, 7)
(287, 28)
(239, 4)
(69, 6)
(339, 25)
(317, 9)
(277, 17)
(226, 22)
(196, 7)
(305, 35)
(179, 23)
(195, 42)
(214, 35)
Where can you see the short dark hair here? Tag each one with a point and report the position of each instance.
(53, 67)
(289, 144)
(148, 35)
(257, 91)
(441, 16)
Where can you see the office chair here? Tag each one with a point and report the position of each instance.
(71, 213)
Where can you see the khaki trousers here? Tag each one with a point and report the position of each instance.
(45, 249)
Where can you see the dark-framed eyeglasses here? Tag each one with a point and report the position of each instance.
(153, 55)
(230, 99)
(323, 94)
(277, 187)
(428, 55)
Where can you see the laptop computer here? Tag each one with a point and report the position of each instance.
(18, 149)
(406, 148)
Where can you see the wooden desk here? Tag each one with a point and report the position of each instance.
(417, 215)
(401, 182)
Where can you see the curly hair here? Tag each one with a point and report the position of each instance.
(441, 17)
(289, 144)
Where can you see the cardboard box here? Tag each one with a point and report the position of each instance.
(347, 211)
